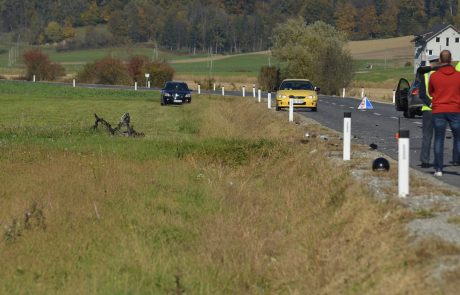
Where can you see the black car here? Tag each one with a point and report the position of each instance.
(407, 98)
(175, 93)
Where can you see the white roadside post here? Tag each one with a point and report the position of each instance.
(259, 95)
(254, 91)
(394, 96)
(347, 136)
(135, 86)
(33, 78)
(343, 92)
(403, 163)
(362, 92)
(291, 110)
(244, 91)
(74, 84)
(223, 91)
(147, 80)
(199, 89)
(214, 86)
(269, 100)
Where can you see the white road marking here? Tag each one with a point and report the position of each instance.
(334, 103)
(351, 108)
(396, 118)
(342, 105)
(377, 114)
(418, 123)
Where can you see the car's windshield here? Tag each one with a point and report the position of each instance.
(176, 87)
(297, 85)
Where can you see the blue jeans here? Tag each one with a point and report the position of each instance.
(440, 122)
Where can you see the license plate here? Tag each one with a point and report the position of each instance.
(177, 100)
(299, 101)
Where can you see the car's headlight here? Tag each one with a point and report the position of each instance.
(311, 96)
(188, 95)
(167, 94)
(282, 96)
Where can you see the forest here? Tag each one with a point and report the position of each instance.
(220, 26)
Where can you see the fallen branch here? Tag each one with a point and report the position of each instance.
(124, 122)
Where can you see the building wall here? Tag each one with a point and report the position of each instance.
(439, 43)
(436, 45)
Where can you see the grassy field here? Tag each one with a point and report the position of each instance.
(388, 57)
(219, 197)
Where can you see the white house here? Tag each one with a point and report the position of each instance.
(432, 42)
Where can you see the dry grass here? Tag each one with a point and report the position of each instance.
(271, 214)
(392, 48)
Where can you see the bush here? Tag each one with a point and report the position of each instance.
(115, 72)
(137, 68)
(160, 72)
(38, 64)
(269, 78)
(105, 71)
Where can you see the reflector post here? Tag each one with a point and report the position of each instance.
(403, 163)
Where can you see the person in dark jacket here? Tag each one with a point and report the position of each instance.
(444, 87)
(423, 75)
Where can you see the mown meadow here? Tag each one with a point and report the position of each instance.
(221, 196)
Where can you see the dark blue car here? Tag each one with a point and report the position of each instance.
(175, 93)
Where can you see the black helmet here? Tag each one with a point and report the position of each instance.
(380, 164)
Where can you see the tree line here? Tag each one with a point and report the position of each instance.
(214, 25)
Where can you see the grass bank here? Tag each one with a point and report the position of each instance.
(219, 197)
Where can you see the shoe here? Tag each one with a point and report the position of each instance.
(425, 165)
(438, 174)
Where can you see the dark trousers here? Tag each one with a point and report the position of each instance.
(440, 122)
(427, 137)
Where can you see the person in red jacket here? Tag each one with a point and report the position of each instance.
(444, 87)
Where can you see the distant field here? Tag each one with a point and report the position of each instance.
(400, 48)
(388, 57)
(246, 65)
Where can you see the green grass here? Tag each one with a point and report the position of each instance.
(382, 71)
(242, 65)
(206, 203)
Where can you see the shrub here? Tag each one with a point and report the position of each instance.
(137, 68)
(38, 64)
(160, 72)
(105, 71)
(115, 72)
(269, 78)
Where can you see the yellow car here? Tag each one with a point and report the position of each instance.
(302, 91)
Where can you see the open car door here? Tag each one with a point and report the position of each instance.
(401, 95)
